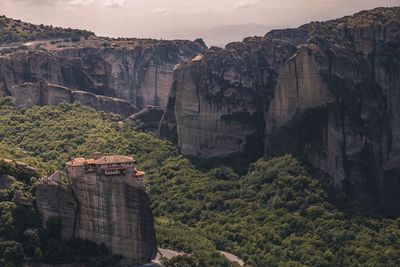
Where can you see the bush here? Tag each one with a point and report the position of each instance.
(180, 261)
(12, 252)
(75, 39)
(54, 228)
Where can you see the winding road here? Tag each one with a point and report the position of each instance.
(169, 254)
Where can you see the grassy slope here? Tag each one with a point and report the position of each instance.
(276, 215)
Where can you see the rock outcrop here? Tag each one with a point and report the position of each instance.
(149, 117)
(327, 92)
(103, 209)
(6, 181)
(21, 166)
(218, 99)
(134, 70)
(27, 95)
(335, 104)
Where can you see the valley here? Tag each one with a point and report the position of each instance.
(279, 150)
(275, 213)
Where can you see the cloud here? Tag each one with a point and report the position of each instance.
(78, 2)
(106, 3)
(246, 4)
(159, 11)
(114, 3)
(185, 11)
(57, 2)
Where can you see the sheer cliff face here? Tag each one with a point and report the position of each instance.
(26, 95)
(327, 92)
(139, 72)
(216, 106)
(109, 210)
(215, 120)
(336, 104)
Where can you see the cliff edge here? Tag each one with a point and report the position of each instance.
(105, 203)
(137, 71)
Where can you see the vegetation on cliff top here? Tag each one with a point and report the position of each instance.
(275, 215)
(380, 15)
(17, 31)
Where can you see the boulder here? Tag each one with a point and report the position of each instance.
(6, 181)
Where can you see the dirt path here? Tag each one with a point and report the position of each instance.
(166, 253)
(232, 258)
(169, 254)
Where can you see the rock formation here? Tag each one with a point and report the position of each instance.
(150, 117)
(327, 92)
(6, 181)
(217, 103)
(134, 70)
(112, 210)
(21, 166)
(27, 95)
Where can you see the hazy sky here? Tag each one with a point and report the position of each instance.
(178, 18)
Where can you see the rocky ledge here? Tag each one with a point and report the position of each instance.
(28, 94)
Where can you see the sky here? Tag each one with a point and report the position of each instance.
(171, 19)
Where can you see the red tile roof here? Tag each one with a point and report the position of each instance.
(101, 160)
(140, 173)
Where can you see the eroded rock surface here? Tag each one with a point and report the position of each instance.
(27, 95)
(103, 209)
(149, 117)
(327, 92)
(217, 102)
(134, 70)
(218, 99)
(6, 181)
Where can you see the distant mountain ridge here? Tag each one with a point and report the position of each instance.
(222, 35)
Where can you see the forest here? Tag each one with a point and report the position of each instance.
(277, 214)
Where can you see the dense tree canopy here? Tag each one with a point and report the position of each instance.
(275, 215)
